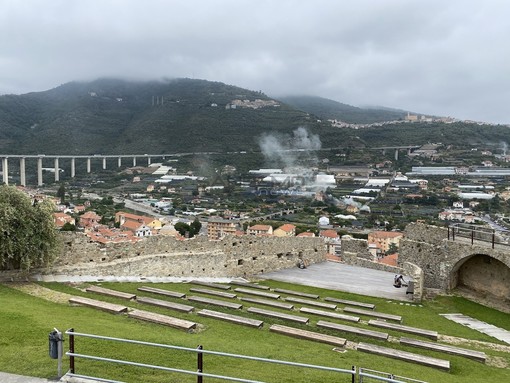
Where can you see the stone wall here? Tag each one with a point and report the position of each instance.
(165, 256)
(426, 233)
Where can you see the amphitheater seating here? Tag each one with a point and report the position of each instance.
(350, 303)
(231, 318)
(404, 355)
(309, 335)
(211, 285)
(216, 302)
(265, 302)
(166, 293)
(471, 354)
(398, 327)
(249, 285)
(297, 293)
(279, 315)
(375, 314)
(165, 304)
(329, 314)
(257, 293)
(213, 292)
(353, 330)
(323, 305)
(110, 293)
(162, 319)
(105, 306)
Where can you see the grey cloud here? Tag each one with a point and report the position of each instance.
(437, 57)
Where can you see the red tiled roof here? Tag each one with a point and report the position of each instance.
(386, 234)
(260, 227)
(287, 227)
(328, 233)
(306, 234)
(390, 260)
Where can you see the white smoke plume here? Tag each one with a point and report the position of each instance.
(285, 149)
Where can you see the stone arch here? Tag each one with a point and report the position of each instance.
(482, 273)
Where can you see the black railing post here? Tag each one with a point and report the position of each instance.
(448, 233)
(472, 236)
(354, 375)
(71, 350)
(493, 237)
(453, 233)
(200, 364)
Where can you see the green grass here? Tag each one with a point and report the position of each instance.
(25, 322)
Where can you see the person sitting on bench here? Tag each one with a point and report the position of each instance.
(399, 281)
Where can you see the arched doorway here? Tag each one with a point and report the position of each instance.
(482, 274)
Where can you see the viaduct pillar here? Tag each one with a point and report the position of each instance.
(119, 162)
(134, 161)
(57, 171)
(22, 175)
(39, 172)
(5, 170)
(88, 164)
(104, 163)
(396, 154)
(73, 167)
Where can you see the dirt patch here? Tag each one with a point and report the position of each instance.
(40, 292)
(484, 299)
(474, 343)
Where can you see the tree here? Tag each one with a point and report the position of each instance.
(28, 237)
(61, 193)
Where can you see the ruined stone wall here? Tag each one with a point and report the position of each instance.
(426, 233)
(166, 256)
(355, 252)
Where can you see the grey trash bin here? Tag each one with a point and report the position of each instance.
(53, 340)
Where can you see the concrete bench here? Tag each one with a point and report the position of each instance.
(211, 285)
(216, 302)
(279, 315)
(165, 304)
(166, 293)
(308, 335)
(213, 292)
(375, 314)
(447, 349)
(353, 330)
(177, 323)
(231, 318)
(250, 285)
(105, 306)
(265, 302)
(110, 293)
(350, 303)
(323, 305)
(257, 293)
(404, 355)
(329, 314)
(297, 293)
(398, 327)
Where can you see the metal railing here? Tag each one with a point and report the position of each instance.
(479, 234)
(199, 373)
(383, 377)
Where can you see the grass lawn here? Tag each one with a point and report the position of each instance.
(25, 322)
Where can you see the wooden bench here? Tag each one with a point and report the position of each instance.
(265, 302)
(213, 292)
(257, 293)
(375, 314)
(110, 293)
(353, 330)
(309, 335)
(323, 305)
(250, 285)
(350, 303)
(166, 293)
(231, 318)
(211, 285)
(177, 323)
(404, 355)
(398, 327)
(329, 314)
(279, 315)
(105, 306)
(297, 293)
(216, 302)
(165, 304)
(471, 354)
(410, 287)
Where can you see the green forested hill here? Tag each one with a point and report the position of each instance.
(118, 116)
(184, 115)
(328, 109)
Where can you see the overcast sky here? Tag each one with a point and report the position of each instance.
(441, 57)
